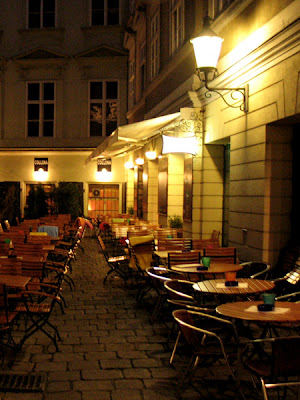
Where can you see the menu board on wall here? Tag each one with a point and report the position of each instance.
(163, 186)
(188, 189)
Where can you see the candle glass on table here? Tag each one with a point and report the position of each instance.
(230, 276)
(206, 261)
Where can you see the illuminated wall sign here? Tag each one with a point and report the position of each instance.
(104, 164)
(41, 163)
(179, 145)
(40, 169)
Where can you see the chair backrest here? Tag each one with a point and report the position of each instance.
(221, 254)
(199, 244)
(180, 289)
(171, 244)
(188, 257)
(257, 269)
(11, 266)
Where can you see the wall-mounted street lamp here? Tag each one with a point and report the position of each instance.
(207, 48)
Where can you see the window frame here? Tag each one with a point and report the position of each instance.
(143, 65)
(218, 7)
(106, 8)
(41, 16)
(154, 45)
(131, 82)
(103, 101)
(176, 25)
(41, 102)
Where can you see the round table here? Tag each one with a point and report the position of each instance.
(284, 311)
(215, 268)
(246, 286)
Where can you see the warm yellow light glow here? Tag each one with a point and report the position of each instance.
(151, 155)
(207, 51)
(128, 165)
(179, 145)
(139, 161)
(40, 175)
(104, 175)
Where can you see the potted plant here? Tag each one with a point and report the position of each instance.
(130, 210)
(176, 222)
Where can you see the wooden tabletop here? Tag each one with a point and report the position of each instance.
(17, 281)
(245, 286)
(215, 268)
(284, 311)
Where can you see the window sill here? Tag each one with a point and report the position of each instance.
(29, 31)
(97, 28)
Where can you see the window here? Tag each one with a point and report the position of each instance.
(105, 12)
(176, 24)
(41, 13)
(40, 109)
(154, 46)
(131, 86)
(103, 107)
(216, 7)
(143, 66)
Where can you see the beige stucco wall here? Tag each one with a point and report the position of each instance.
(62, 166)
(260, 156)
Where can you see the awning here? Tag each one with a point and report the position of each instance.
(132, 136)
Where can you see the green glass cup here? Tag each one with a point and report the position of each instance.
(7, 241)
(269, 299)
(206, 261)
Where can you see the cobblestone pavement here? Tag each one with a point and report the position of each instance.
(109, 348)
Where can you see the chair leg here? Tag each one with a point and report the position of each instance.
(175, 347)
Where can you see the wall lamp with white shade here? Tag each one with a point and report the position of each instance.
(207, 48)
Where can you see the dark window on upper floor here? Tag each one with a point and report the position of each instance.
(41, 13)
(105, 12)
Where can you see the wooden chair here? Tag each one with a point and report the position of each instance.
(7, 320)
(171, 244)
(282, 363)
(188, 257)
(199, 244)
(251, 269)
(221, 254)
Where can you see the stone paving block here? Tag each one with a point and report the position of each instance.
(146, 363)
(59, 386)
(129, 384)
(63, 395)
(96, 395)
(117, 363)
(141, 373)
(92, 385)
(126, 395)
(101, 355)
(131, 354)
(102, 374)
(82, 365)
(64, 376)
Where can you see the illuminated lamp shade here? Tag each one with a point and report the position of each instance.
(207, 48)
(41, 175)
(151, 155)
(104, 175)
(179, 145)
(128, 165)
(139, 161)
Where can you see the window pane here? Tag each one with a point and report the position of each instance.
(98, 18)
(33, 91)
(98, 4)
(113, 4)
(96, 112)
(110, 127)
(48, 111)
(33, 128)
(48, 20)
(48, 91)
(95, 129)
(113, 17)
(35, 6)
(33, 111)
(111, 90)
(49, 6)
(48, 128)
(96, 90)
(34, 21)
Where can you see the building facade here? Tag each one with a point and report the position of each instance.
(242, 178)
(63, 89)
